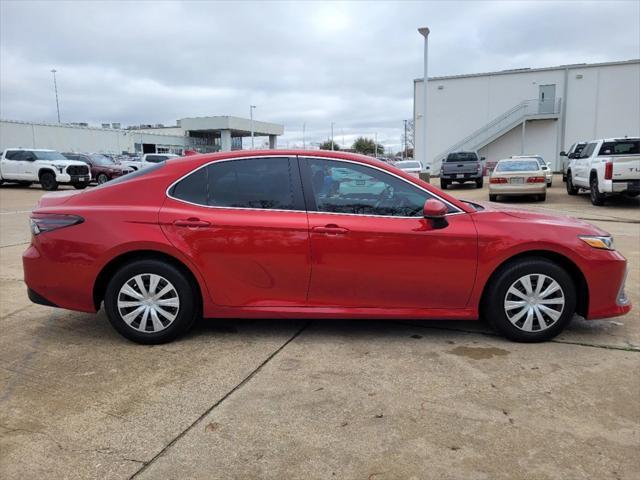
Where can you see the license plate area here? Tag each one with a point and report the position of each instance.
(516, 180)
(460, 175)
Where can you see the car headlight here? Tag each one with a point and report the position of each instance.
(596, 241)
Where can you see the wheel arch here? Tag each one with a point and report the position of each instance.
(582, 288)
(45, 170)
(108, 270)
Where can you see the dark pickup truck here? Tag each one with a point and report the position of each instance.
(461, 167)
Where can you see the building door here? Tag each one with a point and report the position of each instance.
(546, 98)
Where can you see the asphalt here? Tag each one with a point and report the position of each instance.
(318, 399)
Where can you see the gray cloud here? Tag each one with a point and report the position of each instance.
(313, 63)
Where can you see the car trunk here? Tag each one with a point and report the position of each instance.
(460, 167)
(625, 167)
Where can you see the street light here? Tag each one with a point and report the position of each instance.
(332, 124)
(251, 107)
(424, 31)
(55, 87)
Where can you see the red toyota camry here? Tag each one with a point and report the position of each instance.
(311, 235)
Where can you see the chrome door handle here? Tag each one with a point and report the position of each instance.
(330, 230)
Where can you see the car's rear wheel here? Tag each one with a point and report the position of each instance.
(480, 182)
(530, 300)
(597, 198)
(48, 181)
(542, 197)
(493, 198)
(571, 190)
(151, 302)
(444, 184)
(102, 178)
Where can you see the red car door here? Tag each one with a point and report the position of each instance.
(244, 225)
(372, 248)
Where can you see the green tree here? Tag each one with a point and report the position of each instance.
(327, 145)
(366, 146)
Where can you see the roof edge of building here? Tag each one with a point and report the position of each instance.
(529, 70)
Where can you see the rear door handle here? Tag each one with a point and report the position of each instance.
(192, 223)
(330, 230)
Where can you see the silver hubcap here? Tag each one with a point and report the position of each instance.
(148, 303)
(534, 302)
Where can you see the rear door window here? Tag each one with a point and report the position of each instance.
(271, 183)
(462, 157)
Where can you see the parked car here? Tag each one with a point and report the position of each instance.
(461, 167)
(103, 168)
(518, 176)
(573, 152)
(412, 167)
(46, 167)
(606, 167)
(546, 167)
(251, 234)
(147, 160)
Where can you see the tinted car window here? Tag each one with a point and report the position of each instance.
(462, 157)
(620, 147)
(344, 187)
(193, 188)
(13, 155)
(155, 158)
(253, 183)
(588, 150)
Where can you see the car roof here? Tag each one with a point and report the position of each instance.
(32, 149)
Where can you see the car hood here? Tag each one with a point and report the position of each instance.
(65, 162)
(545, 219)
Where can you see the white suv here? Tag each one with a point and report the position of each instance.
(147, 160)
(46, 167)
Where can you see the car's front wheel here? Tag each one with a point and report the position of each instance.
(571, 190)
(48, 181)
(530, 300)
(151, 301)
(81, 185)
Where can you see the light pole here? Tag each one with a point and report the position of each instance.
(304, 143)
(404, 141)
(55, 87)
(424, 31)
(251, 107)
(332, 124)
(375, 146)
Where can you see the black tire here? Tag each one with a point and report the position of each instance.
(48, 181)
(493, 198)
(480, 182)
(597, 198)
(102, 178)
(542, 197)
(550, 184)
(493, 306)
(186, 314)
(80, 186)
(564, 178)
(444, 184)
(571, 190)
(631, 194)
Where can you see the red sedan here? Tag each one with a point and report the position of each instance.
(311, 235)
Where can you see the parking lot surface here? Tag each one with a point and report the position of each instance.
(318, 399)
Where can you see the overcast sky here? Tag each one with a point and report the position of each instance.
(314, 63)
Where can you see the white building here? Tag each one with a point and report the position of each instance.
(204, 134)
(527, 111)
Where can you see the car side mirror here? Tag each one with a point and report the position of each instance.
(563, 153)
(435, 211)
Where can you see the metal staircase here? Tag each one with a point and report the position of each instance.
(525, 111)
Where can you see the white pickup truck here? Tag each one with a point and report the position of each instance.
(147, 160)
(46, 167)
(605, 167)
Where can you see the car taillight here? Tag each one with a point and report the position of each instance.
(498, 180)
(536, 180)
(47, 222)
(608, 171)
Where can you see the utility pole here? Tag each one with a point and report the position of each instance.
(332, 124)
(251, 107)
(424, 31)
(55, 87)
(304, 143)
(404, 142)
(375, 145)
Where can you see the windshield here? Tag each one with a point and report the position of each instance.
(49, 155)
(518, 166)
(101, 159)
(402, 165)
(462, 157)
